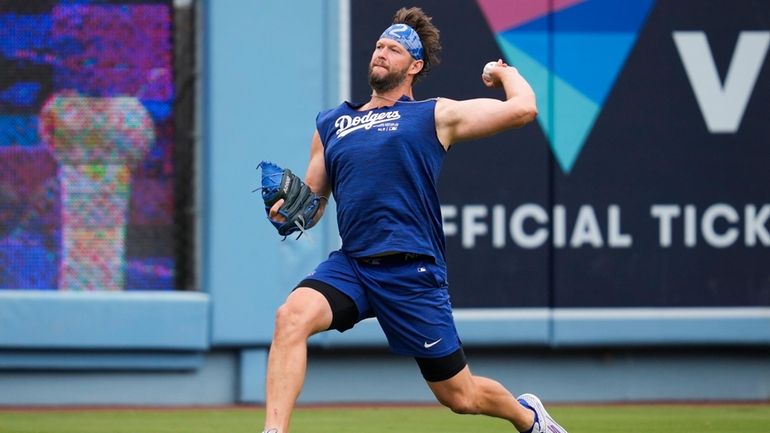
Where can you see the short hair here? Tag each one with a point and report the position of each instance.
(415, 18)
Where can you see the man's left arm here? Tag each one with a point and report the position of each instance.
(476, 118)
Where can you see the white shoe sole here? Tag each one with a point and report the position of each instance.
(548, 425)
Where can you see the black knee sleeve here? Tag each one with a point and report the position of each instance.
(344, 310)
(438, 369)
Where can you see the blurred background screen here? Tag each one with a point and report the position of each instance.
(89, 197)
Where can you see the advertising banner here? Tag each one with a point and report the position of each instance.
(644, 181)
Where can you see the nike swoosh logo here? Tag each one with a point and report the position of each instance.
(429, 345)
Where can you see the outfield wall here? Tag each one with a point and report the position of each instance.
(682, 312)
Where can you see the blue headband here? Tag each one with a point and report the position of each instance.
(406, 36)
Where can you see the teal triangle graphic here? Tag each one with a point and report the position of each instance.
(574, 66)
(573, 118)
(591, 62)
(566, 124)
(538, 77)
(535, 44)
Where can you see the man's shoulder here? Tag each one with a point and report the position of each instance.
(443, 105)
(443, 102)
(324, 115)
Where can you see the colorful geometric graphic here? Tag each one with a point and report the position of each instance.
(571, 52)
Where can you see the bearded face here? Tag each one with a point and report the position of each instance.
(383, 78)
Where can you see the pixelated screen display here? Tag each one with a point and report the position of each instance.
(86, 145)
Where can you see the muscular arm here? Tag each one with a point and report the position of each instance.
(315, 178)
(476, 118)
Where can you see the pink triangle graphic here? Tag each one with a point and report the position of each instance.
(505, 14)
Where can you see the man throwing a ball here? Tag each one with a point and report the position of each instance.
(381, 160)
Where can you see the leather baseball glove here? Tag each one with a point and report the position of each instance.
(300, 203)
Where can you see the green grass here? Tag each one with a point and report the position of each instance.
(577, 419)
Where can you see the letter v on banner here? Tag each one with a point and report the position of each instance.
(722, 105)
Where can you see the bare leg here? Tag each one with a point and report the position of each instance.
(305, 313)
(468, 394)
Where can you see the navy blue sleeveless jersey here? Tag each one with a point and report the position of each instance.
(383, 166)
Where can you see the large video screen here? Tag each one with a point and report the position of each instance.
(87, 161)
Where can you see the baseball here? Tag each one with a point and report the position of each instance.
(487, 69)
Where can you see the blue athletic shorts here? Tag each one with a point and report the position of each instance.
(410, 299)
